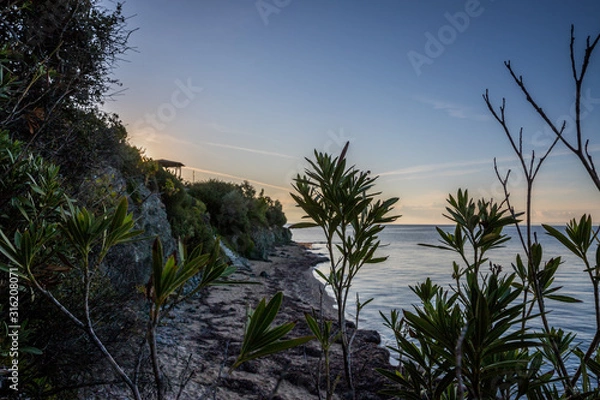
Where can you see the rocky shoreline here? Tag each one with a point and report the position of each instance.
(201, 339)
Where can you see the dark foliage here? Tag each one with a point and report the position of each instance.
(187, 214)
(55, 63)
(242, 217)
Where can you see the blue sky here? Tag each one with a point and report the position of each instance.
(245, 89)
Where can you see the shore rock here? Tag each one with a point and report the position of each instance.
(214, 335)
(200, 339)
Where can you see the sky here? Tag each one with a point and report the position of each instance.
(246, 90)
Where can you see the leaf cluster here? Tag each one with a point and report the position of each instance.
(261, 338)
(478, 227)
(471, 339)
(238, 214)
(169, 277)
(339, 199)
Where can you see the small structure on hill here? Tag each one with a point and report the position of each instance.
(176, 165)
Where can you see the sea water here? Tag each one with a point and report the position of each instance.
(408, 263)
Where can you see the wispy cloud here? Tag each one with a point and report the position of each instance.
(237, 178)
(440, 169)
(250, 150)
(150, 136)
(454, 110)
(227, 130)
(215, 126)
(161, 138)
(459, 168)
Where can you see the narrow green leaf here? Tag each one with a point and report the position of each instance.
(313, 325)
(272, 349)
(157, 266)
(563, 298)
(300, 225)
(562, 238)
(260, 339)
(30, 350)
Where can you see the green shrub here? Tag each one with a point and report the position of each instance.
(187, 215)
(33, 200)
(274, 214)
(339, 200)
(471, 338)
(241, 216)
(30, 194)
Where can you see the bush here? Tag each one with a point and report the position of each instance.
(187, 215)
(338, 199)
(29, 193)
(251, 224)
(471, 338)
(32, 202)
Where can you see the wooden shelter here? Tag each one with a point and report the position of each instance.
(176, 165)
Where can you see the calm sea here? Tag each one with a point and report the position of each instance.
(408, 263)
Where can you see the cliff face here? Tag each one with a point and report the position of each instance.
(132, 262)
(266, 239)
(129, 265)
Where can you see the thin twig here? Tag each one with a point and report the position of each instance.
(184, 378)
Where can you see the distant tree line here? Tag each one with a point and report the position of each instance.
(198, 211)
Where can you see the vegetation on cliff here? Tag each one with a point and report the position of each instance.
(74, 194)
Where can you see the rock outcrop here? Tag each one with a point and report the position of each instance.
(129, 264)
(266, 239)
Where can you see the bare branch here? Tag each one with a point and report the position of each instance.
(589, 156)
(548, 151)
(504, 183)
(572, 51)
(502, 120)
(537, 108)
(531, 163)
(184, 378)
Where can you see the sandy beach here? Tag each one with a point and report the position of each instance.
(201, 339)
